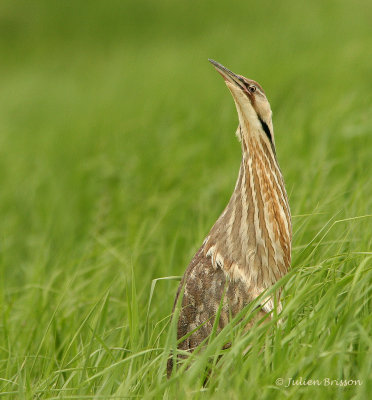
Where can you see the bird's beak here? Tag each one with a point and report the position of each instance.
(228, 75)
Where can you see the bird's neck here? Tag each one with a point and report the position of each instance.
(251, 240)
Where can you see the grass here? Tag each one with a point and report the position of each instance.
(117, 153)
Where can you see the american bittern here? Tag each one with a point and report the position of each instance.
(249, 247)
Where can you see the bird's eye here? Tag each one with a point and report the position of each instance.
(252, 89)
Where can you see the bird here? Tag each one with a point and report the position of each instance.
(248, 249)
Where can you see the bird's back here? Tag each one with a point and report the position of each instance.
(204, 288)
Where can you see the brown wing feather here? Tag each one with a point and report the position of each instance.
(203, 290)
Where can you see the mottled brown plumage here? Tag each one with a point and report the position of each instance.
(248, 249)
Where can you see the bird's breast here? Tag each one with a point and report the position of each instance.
(251, 240)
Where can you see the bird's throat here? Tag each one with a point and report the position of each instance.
(251, 240)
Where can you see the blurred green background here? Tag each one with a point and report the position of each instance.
(117, 154)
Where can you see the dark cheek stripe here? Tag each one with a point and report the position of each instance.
(266, 129)
(263, 123)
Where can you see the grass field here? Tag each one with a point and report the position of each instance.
(117, 154)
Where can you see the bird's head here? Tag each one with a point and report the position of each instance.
(251, 103)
